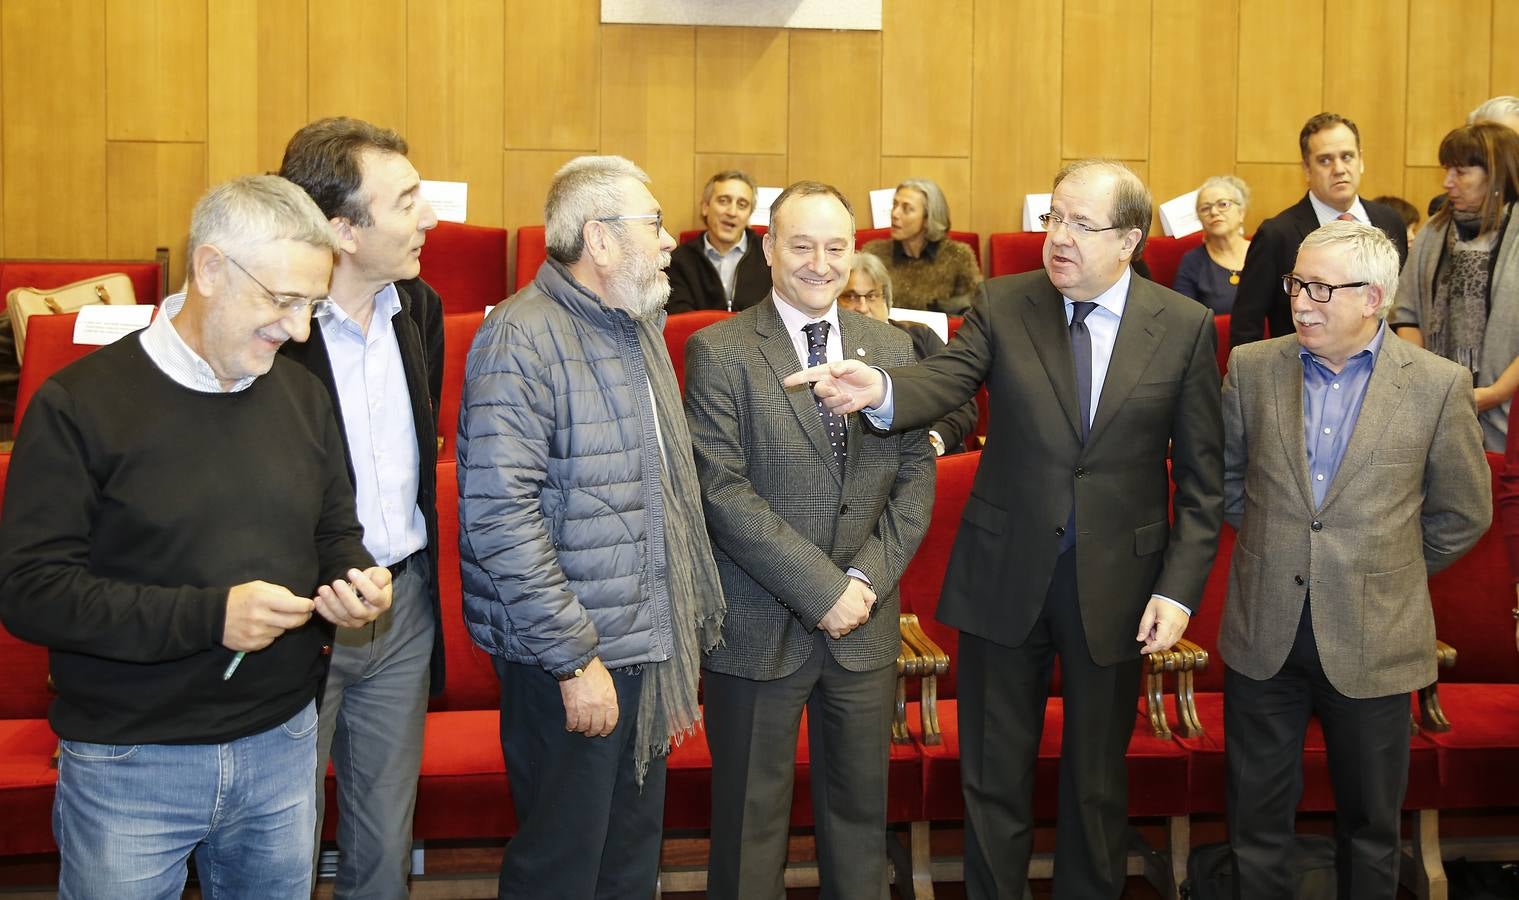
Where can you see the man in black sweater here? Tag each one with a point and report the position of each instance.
(176, 511)
(723, 267)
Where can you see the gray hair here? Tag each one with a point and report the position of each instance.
(875, 270)
(1495, 108)
(1131, 206)
(1371, 256)
(254, 210)
(1233, 184)
(935, 207)
(585, 189)
(727, 175)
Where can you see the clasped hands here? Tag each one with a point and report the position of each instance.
(258, 612)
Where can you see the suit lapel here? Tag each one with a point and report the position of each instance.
(1139, 333)
(409, 340)
(780, 353)
(1384, 394)
(1288, 379)
(1044, 317)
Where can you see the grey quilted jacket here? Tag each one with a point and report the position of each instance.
(559, 483)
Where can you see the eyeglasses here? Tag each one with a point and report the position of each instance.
(1222, 206)
(1050, 220)
(285, 303)
(861, 297)
(659, 220)
(1318, 291)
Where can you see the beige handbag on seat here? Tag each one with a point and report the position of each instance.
(24, 302)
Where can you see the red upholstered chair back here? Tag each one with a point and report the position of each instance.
(530, 255)
(147, 275)
(1203, 627)
(1163, 255)
(466, 265)
(1472, 599)
(681, 326)
(458, 333)
(1221, 349)
(470, 681)
(691, 234)
(49, 347)
(1015, 251)
(23, 666)
(983, 402)
(924, 578)
(971, 239)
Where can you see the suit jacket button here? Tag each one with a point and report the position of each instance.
(1081, 472)
(1297, 579)
(843, 508)
(326, 649)
(1317, 525)
(1060, 531)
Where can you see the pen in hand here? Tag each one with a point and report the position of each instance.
(232, 666)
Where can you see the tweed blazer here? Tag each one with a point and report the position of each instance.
(786, 523)
(1411, 495)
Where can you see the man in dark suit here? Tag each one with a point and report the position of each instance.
(813, 521)
(1333, 165)
(1353, 469)
(378, 347)
(1095, 377)
(724, 267)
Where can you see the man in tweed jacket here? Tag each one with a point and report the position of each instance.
(812, 522)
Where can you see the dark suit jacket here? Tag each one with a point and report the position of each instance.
(1161, 394)
(694, 283)
(1272, 253)
(419, 332)
(960, 422)
(786, 524)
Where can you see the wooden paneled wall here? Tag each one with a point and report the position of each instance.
(116, 114)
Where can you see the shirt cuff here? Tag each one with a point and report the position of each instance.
(852, 572)
(1181, 606)
(882, 415)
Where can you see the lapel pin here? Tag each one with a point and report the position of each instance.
(859, 351)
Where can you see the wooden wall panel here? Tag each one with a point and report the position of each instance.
(151, 188)
(1194, 69)
(526, 175)
(1420, 185)
(1106, 87)
(648, 112)
(454, 119)
(1281, 76)
(951, 174)
(1440, 96)
(553, 60)
(1370, 85)
(357, 60)
(925, 77)
(155, 55)
(258, 84)
(741, 90)
(832, 71)
(53, 58)
(1015, 147)
(1273, 188)
(767, 170)
(1505, 72)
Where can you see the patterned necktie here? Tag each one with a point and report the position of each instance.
(1081, 349)
(1345, 217)
(817, 354)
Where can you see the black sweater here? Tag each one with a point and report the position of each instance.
(132, 506)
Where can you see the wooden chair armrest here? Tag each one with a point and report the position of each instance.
(1431, 714)
(1191, 658)
(932, 655)
(1445, 654)
(932, 662)
(907, 665)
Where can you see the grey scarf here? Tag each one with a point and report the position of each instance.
(667, 708)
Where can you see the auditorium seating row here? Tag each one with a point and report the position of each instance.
(1464, 739)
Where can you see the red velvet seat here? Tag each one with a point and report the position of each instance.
(466, 265)
(970, 239)
(681, 326)
(1163, 255)
(458, 333)
(1013, 252)
(531, 252)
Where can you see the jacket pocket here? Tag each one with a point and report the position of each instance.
(1154, 390)
(1397, 624)
(1396, 456)
(984, 515)
(1151, 538)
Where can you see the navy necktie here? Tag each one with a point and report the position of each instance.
(817, 354)
(1081, 349)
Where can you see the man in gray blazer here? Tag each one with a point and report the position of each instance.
(1353, 469)
(813, 521)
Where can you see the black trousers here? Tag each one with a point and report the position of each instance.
(752, 729)
(1367, 744)
(1002, 699)
(584, 827)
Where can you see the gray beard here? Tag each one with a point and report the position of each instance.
(637, 285)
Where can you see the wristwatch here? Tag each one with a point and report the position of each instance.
(579, 671)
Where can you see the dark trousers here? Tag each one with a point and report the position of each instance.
(585, 829)
(1367, 744)
(752, 729)
(1002, 699)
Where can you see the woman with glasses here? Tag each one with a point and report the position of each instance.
(1459, 292)
(931, 269)
(1209, 273)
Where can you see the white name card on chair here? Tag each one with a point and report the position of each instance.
(1034, 206)
(1178, 216)
(880, 207)
(763, 197)
(449, 199)
(102, 324)
(938, 321)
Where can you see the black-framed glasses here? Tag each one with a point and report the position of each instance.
(1222, 206)
(659, 220)
(1050, 220)
(1318, 291)
(861, 296)
(285, 303)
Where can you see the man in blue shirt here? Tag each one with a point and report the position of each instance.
(1353, 469)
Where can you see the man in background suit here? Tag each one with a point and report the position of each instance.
(1095, 377)
(378, 348)
(723, 268)
(813, 521)
(1353, 469)
(1332, 162)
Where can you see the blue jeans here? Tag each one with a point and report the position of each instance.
(126, 818)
